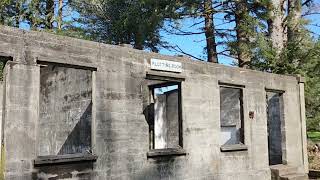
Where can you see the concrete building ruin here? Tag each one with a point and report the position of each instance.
(74, 109)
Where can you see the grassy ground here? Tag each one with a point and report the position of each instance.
(313, 153)
(314, 136)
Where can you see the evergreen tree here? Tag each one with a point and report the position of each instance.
(135, 22)
(11, 12)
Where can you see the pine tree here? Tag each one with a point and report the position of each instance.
(243, 33)
(276, 29)
(135, 22)
(11, 12)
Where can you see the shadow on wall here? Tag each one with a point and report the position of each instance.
(79, 140)
(149, 114)
(275, 116)
(162, 168)
(82, 170)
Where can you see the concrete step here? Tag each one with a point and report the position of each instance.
(280, 169)
(294, 176)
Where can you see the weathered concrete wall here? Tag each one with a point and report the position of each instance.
(120, 136)
(20, 119)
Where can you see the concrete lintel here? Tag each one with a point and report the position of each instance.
(275, 90)
(78, 65)
(230, 84)
(157, 75)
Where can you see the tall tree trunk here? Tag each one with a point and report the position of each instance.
(49, 14)
(294, 17)
(60, 13)
(138, 38)
(294, 31)
(209, 32)
(18, 14)
(243, 37)
(34, 15)
(276, 25)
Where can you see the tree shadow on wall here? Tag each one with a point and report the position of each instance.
(79, 140)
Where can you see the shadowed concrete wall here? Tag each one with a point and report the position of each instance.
(65, 110)
(173, 118)
(120, 136)
(275, 116)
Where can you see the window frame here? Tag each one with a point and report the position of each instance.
(155, 79)
(281, 94)
(76, 157)
(241, 146)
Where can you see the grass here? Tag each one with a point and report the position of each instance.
(313, 135)
(313, 154)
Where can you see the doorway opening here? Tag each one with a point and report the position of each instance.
(275, 122)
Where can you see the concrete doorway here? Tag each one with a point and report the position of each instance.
(275, 123)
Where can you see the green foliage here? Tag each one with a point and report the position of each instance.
(74, 32)
(314, 135)
(299, 56)
(10, 12)
(311, 70)
(135, 22)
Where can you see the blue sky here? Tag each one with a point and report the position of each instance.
(194, 44)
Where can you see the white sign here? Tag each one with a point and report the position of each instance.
(164, 65)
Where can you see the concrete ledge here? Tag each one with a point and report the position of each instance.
(63, 159)
(234, 147)
(166, 152)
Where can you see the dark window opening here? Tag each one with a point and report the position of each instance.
(231, 116)
(65, 111)
(165, 127)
